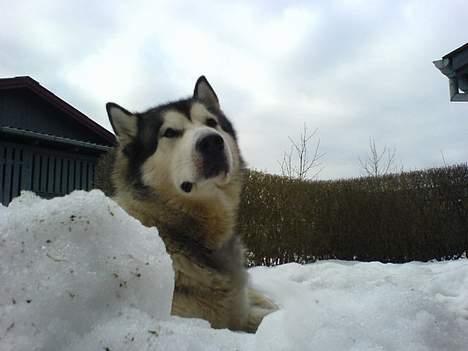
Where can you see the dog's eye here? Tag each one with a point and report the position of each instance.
(210, 122)
(171, 133)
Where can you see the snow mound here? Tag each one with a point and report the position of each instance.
(77, 273)
(337, 305)
(135, 331)
(70, 264)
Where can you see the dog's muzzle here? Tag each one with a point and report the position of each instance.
(211, 148)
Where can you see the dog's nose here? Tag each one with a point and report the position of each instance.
(213, 154)
(210, 144)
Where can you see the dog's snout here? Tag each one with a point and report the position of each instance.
(209, 144)
(212, 150)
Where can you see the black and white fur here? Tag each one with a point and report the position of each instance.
(178, 167)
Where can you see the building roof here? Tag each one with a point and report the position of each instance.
(26, 82)
(457, 51)
(454, 66)
(52, 138)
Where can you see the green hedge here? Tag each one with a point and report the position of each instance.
(419, 215)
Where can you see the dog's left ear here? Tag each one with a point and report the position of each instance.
(205, 93)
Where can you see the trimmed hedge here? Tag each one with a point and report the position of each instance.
(419, 215)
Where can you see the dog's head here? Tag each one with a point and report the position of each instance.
(185, 148)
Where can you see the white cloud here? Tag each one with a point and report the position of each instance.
(349, 68)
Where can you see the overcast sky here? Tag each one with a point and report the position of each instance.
(353, 69)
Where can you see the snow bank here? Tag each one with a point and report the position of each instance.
(70, 264)
(336, 305)
(77, 273)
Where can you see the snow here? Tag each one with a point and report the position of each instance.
(77, 273)
(70, 264)
(333, 305)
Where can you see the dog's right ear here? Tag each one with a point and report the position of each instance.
(205, 93)
(123, 122)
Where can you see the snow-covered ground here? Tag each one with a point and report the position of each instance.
(77, 273)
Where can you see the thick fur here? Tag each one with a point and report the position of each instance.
(178, 167)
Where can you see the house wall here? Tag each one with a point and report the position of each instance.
(47, 168)
(45, 171)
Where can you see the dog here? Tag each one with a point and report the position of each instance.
(178, 167)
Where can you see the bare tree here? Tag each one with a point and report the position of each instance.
(443, 158)
(303, 159)
(379, 163)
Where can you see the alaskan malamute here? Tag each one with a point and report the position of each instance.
(178, 167)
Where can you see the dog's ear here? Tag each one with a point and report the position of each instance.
(123, 122)
(205, 93)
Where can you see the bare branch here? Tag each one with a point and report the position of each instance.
(299, 163)
(443, 157)
(286, 163)
(378, 163)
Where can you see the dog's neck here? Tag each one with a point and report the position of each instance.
(204, 233)
(205, 226)
(208, 222)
